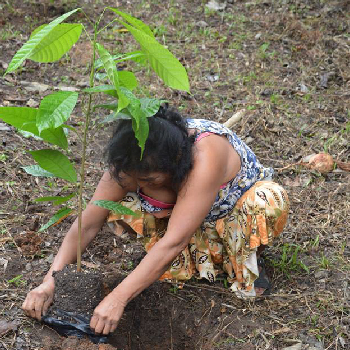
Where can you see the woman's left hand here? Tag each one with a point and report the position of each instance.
(107, 314)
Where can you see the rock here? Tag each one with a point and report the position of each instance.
(34, 86)
(324, 78)
(249, 140)
(4, 127)
(212, 77)
(4, 64)
(303, 88)
(202, 24)
(50, 259)
(216, 5)
(67, 88)
(32, 103)
(83, 83)
(6, 327)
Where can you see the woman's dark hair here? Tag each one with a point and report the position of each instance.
(168, 148)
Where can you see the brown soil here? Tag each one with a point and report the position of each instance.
(77, 292)
(285, 62)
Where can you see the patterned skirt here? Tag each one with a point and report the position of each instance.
(227, 245)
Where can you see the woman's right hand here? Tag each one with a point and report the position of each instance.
(39, 299)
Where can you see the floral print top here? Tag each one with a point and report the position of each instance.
(251, 171)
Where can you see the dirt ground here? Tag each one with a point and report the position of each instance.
(285, 62)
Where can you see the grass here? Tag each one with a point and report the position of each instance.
(9, 32)
(289, 261)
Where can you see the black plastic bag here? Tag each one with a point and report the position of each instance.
(80, 328)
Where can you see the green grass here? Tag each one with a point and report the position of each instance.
(290, 260)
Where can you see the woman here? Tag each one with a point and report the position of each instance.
(205, 204)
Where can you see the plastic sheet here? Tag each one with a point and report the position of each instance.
(80, 328)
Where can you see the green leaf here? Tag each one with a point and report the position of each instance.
(115, 207)
(150, 106)
(56, 163)
(110, 106)
(60, 215)
(108, 65)
(106, 89)
(59, 41)
(55, 136)
(24, 118)
(127, 79)
(114, 116)
(113, 76)
(36, 170)
(141, 132)
(29, 48)
(134, 22)
(55, 109)
(123, 101)
(136, 56)
(163, 62)
(57, 200)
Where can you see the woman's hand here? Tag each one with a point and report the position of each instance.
(39, 299)
(107, 314)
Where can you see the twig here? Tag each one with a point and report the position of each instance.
(235, 118)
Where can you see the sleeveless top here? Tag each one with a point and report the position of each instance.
(251, 171)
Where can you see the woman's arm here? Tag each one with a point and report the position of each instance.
(93, 217)
(193, 204)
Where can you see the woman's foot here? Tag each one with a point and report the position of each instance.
(262, 284)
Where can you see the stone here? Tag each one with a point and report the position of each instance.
(34, 86)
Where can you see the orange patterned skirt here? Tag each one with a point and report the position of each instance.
(228, 244)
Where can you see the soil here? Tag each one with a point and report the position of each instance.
(77, 292)
(286, 63)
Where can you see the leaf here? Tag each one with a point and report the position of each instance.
(114, 116)
(58, 217)
(127, 79)
(106, 89)
(136, 56)
(110, 106)
(24, 118)
(134, 22)
(111, 70)
(59, 41)
(55, 136)
(123, 101)
(115, 207)
(163, 62)
(55, 109)
(108, 65)
(141, 132)
(30, 46)
(57, 200)
(36, 170)
(150, 106)
(56, 163)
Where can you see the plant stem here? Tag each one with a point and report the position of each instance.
(83, 152)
